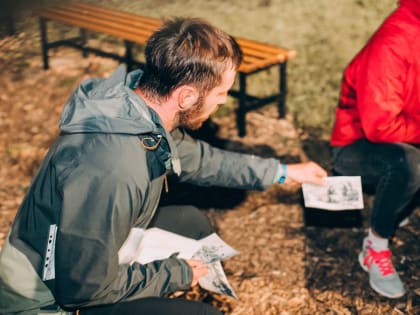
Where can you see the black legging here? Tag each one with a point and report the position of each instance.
(393, 169)
(184, 220)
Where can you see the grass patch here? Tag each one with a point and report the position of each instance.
(68, 82)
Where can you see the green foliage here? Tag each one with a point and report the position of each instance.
(227, 108)
(327, 37)
(68, 82)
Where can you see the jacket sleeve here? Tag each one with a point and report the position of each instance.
(205, 165)
(381, 92)
(96, 217)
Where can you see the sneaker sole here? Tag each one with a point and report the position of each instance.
(361, 262)
(373, 286)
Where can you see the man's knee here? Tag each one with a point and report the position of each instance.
(185, 220)
(197, 218)
(410, 164)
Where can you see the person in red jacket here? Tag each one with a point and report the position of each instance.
(377, 134)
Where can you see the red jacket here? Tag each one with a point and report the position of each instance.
(380, 92)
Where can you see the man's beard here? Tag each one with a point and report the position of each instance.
(191, 118)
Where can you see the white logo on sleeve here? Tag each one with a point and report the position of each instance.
(49, 267)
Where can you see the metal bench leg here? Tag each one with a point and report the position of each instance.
(83, 41)
(241, 112)
(10, 25)
(282, 89)
(44, 41)
(129, 55)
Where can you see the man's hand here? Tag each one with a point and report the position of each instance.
(308, 172)
(199, 269)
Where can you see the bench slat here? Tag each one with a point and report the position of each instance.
(98, 20)
(258, 54)
(56, 13)
(120, 16)
(249, 65)
(134, 34)
(138, 29)
(257, 46)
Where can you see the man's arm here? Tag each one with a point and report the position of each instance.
(205, 165)
(97, 214)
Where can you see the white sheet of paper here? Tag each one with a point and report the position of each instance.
(159, 244)
(152, 244)
(339, 193)
(215, 280)
(128, 250)
(213, 248)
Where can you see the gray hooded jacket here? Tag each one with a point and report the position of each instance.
(102, 177)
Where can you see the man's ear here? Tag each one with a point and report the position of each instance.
(187, 97)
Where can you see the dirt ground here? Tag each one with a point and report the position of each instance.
(292, 260)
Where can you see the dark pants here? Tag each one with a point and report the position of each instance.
(184, 220)
(392, 170)
(154, 306)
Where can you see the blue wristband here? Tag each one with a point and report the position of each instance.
(282, 178)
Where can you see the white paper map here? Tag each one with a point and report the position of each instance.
(152, 244)
(213, 250)
(338, 193)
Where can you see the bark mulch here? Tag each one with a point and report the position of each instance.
(292, 260)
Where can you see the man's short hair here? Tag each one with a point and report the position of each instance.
(187, 51)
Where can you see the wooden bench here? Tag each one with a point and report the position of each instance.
(136, 29)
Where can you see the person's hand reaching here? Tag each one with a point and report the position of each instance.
(307, 172)
(199, 269)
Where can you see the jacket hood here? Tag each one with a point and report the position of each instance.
(109, 106)
(413, 5)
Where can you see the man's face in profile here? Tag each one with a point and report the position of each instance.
(206, 105)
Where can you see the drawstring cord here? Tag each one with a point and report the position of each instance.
(152, 148)
(148, 147)
(165, 180)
